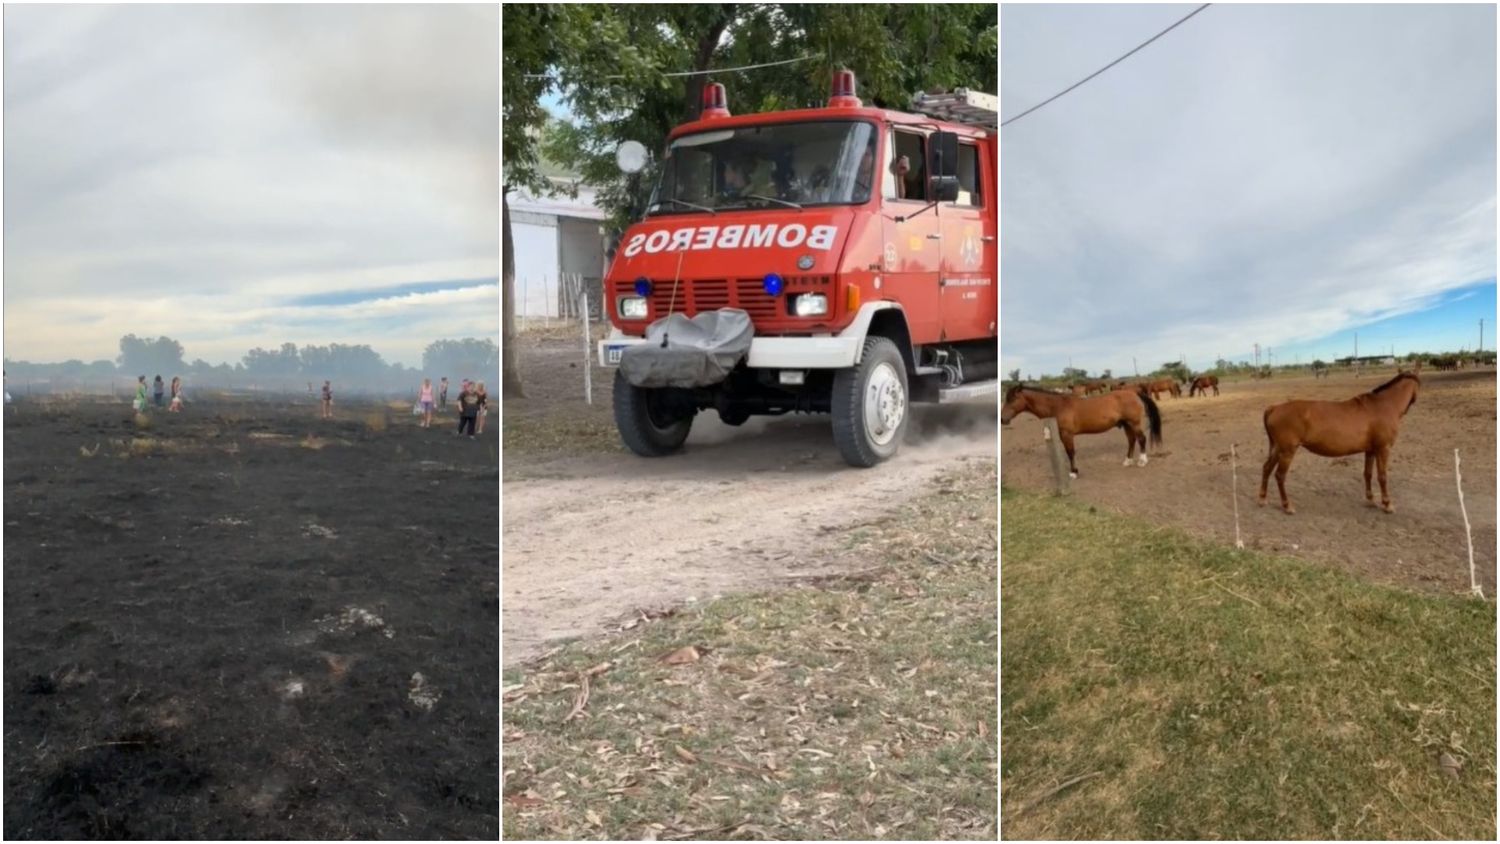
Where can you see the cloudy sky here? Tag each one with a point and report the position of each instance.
(244, 176)
(1281, 175)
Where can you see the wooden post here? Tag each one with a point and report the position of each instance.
(1060, 474)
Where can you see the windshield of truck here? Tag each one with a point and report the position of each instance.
(787, 164)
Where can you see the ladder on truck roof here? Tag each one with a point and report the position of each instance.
(970, 108)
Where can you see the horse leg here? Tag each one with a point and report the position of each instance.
(1140, 436)
(1283, 464)
(1369, 467)
(1130, 436)
(1382, 458)
(1265, 473)
(1067, 441)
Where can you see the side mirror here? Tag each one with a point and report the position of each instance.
(944, 146)
(945, 188)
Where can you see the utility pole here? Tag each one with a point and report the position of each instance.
(1481, 335)
(1135, 366)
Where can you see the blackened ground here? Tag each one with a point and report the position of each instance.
(214, 624)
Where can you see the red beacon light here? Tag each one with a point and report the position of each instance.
(843, 91)
(715, 102)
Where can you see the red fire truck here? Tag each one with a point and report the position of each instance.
(849, 253)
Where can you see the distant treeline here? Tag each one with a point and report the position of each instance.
(353, 369)
(1176, 369)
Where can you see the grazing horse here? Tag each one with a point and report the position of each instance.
(1118, 409)
(1367, 423)
(1163, 385)
(1202, 383)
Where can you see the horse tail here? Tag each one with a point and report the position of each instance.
(1153, 415)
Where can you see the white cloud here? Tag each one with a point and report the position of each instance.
(1262, 174)
(249, 157)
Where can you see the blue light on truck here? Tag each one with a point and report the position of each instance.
(643, 286)
(774, 284)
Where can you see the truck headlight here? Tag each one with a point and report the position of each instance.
(633, 307)
(810, 304)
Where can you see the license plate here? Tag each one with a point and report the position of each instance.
(612, 355)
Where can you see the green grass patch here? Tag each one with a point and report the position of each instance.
(1158, 687)
(854, 706)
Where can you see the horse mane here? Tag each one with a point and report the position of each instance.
(1399, 376)
(1011, 393)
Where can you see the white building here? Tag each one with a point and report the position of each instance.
(554, 236)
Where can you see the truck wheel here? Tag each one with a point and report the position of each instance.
(648, 428)
(735, 418)
(870, 404)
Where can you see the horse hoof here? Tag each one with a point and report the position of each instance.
(1128, 461)
(1288, 509)
(1260, 502)
(1073, 475)
(1141, 461)
(1388, 507)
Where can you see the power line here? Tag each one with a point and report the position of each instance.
(699, 72)
(1106, 67)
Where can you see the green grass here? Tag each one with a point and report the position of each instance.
(858, 706)
(1210, 693)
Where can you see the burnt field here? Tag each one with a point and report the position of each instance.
(1188, 482)
(247, 622)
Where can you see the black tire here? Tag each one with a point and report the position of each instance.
(864, 440)
(644, 427)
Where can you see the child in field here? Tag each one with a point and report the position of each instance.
(484, 405)
(425, 397)
(140, 394)
(157, 392)
(176, 395)
(327, 400)
(443, 393)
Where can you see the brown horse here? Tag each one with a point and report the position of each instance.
(1163, 385)
(1202, 383)
(1367, 423)
(1118, 409)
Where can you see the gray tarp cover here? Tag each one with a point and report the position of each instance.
(699, 352)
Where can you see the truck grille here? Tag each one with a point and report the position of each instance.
(694, 296)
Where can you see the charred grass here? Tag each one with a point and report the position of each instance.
(1160, 687)
(859, 705)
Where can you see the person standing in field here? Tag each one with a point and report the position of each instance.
(327, 400)
(157, 390)
(140, 394)
(468, 410)
(484, 405)
(425, 397)
(443, 393)
(176, 406)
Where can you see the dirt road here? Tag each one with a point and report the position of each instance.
(590, 538)
(1187, 484)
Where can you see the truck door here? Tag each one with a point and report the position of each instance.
(913, 248)
(968, 266)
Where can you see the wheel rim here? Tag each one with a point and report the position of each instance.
(885, 404)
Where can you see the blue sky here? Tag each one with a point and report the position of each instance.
(259, 175)
(1449, 324)
(1272, 174)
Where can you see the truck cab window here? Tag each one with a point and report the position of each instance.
(906, 174)
(970, 186)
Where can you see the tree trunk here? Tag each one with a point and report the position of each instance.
(510, 375)
(703, 56)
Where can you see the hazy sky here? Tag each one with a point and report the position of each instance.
(244, 176)
(1262, 174)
